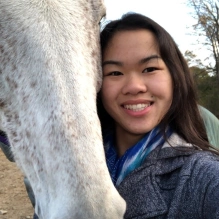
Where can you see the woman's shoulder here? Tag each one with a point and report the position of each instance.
(178, 149)
(202, 165)
(202, 158)
(200, 177)
(187, 159)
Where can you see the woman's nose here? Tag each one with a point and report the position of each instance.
(134, 85)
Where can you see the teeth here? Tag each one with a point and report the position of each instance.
(136, 107)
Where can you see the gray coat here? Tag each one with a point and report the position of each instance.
(176, 182)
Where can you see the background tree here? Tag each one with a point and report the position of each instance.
(206, 83)
(206, 12)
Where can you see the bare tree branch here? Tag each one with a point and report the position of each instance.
(206, 12)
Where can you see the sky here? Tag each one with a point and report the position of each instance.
(174, 15)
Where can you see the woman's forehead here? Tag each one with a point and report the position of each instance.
(138, 44)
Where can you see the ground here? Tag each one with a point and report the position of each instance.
(14, 201)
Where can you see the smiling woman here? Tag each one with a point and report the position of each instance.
(156, 146)
(137, 86)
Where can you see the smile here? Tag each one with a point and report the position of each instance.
(136, 107)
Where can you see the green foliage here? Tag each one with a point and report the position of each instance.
(206, 83)
(207, 89)
(192, 59)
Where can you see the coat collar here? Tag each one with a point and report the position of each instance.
(170, 156)
(174, 147)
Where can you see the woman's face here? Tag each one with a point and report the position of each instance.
(137, 87)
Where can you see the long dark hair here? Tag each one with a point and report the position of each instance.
(183, 115)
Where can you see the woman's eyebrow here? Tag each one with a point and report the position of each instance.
(142, 61)
(147, 59)
(111, 62)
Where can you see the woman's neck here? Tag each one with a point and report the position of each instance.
(125, 140)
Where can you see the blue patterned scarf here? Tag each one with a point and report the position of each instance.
(120, 167)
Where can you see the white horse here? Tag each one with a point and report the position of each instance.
(49, 76)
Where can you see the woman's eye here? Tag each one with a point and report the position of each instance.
(151, 69)
(115, 73)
